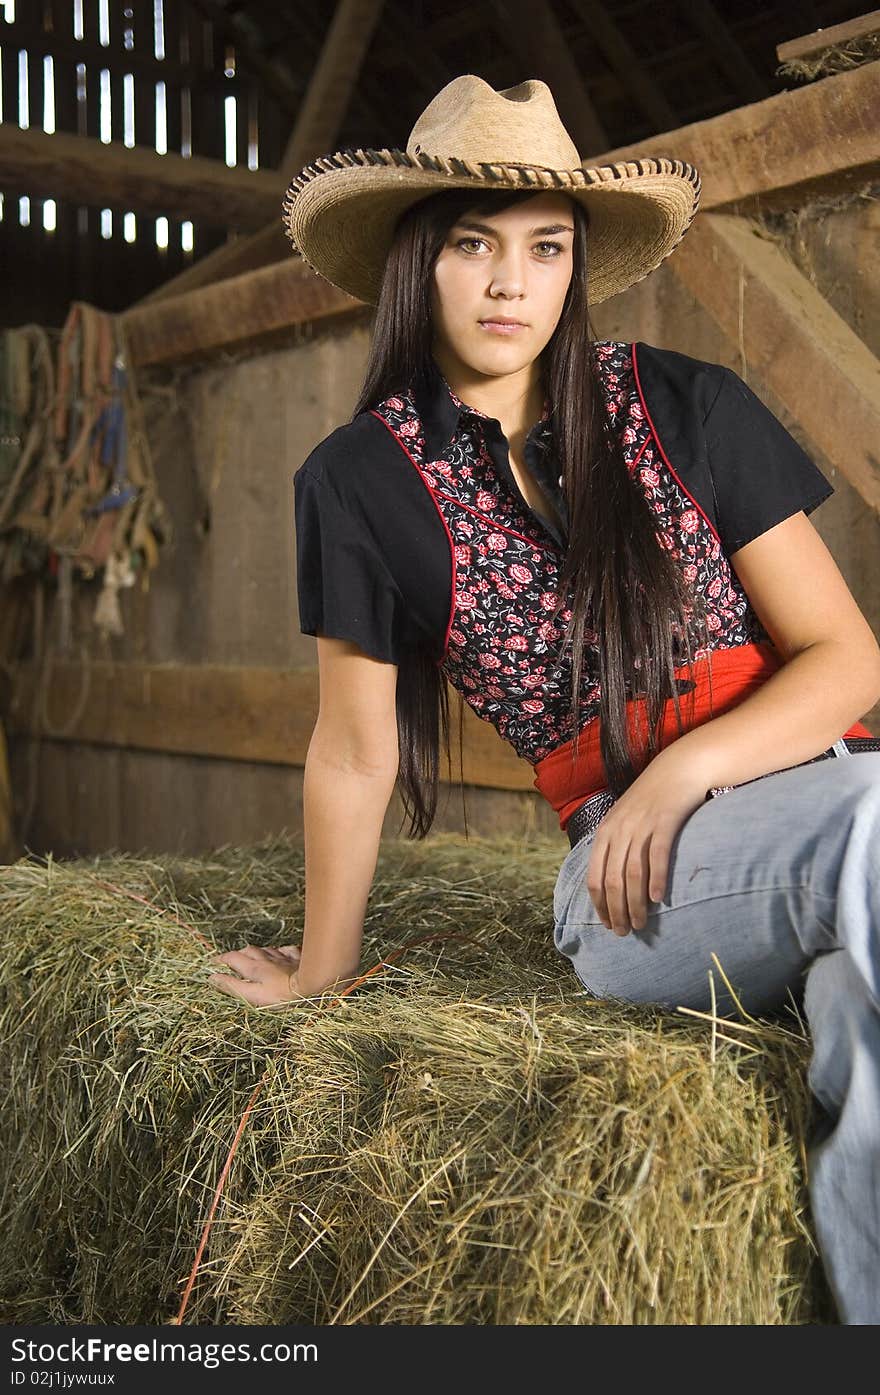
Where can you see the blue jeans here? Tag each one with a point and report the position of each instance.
(781, 879)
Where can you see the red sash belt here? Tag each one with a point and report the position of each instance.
(736, 673)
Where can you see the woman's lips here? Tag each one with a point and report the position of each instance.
(494, 327)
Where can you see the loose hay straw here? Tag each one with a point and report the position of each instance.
(466, 1138)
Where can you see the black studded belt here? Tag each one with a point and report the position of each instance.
(587, 817)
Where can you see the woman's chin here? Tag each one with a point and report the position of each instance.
(499, 356)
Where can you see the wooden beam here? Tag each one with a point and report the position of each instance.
(851, 31)
(774, 154)
(789, 337)
(259, 307)
(250, 714)
(532, 32)
(88, 171)
(620, 55)
(320, 116)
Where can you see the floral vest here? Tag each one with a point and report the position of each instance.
(504, 650)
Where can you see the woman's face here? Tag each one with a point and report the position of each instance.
(515, 264)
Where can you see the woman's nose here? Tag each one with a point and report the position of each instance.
(507, 276)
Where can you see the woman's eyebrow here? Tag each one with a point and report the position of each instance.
(468, 226)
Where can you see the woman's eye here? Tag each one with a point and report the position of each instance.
(473, 246)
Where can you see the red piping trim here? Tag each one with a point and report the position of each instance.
(641, 452)
(669, 465)
(497, 527)
(453, 604)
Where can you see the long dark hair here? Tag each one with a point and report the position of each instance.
(630, 602)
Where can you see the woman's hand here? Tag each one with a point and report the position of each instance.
(267, 975)
(270, 975)
(629, 859)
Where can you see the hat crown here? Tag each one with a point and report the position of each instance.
(519, 125)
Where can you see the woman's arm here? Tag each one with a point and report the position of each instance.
(830, 679)
(350, 773)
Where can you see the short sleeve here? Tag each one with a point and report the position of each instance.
(344, 588)
(760, 474)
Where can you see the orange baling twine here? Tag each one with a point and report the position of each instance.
(224, 1173)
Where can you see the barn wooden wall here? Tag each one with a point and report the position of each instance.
(227, 439)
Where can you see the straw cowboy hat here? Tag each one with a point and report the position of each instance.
(340, 212)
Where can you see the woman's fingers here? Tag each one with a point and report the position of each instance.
(258, 954)
(255, 992)
(228, 983)
(267, 976)
(606, 882)
(620, 883)
(252, 951)
(638, 876)
(279, 955)
(242, 960)
(617, 887)
(262, 975)
(596, 877)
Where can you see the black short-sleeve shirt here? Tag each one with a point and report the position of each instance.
(760, 474)
(373, 562)
(373, 556)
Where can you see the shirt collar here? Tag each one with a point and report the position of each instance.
(441, 412)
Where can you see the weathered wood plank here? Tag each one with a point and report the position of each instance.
(774, 154)
(60, 165)
(807, 45)
(244, 310)
(237, 713)
(790, 337)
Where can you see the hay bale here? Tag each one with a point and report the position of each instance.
(467, 1138)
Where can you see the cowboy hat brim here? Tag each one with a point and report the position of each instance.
(340, 213)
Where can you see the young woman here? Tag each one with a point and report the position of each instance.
(604, 547)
